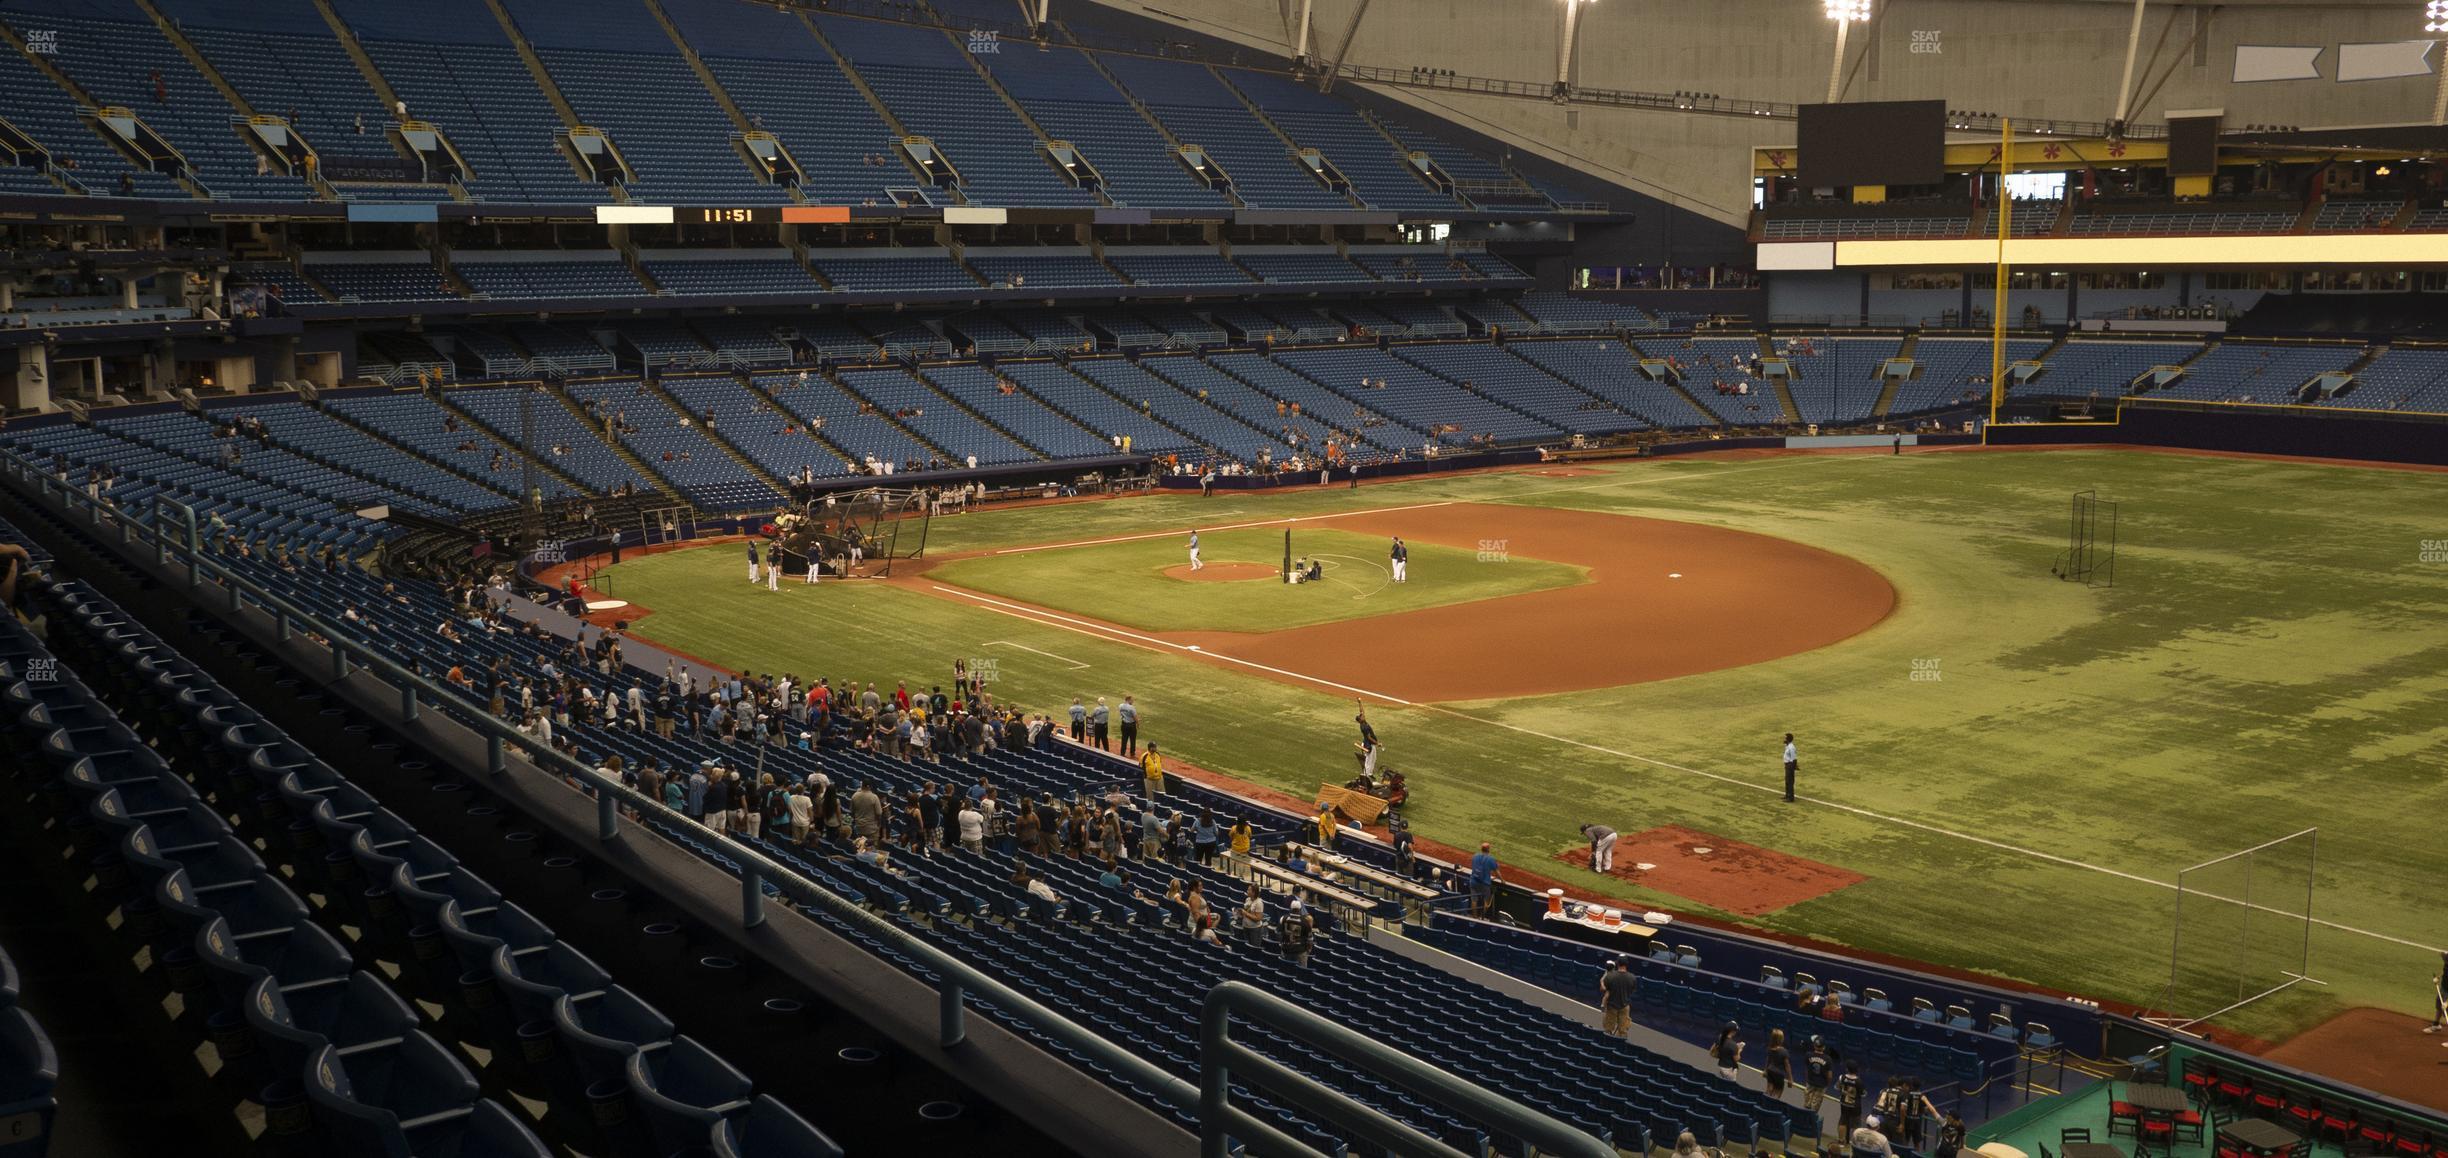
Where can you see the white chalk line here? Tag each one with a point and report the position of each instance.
(1075, 664)
(1114, 634)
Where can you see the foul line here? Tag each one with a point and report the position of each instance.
(1075, 664)
(1124, 635)
(1152, 643)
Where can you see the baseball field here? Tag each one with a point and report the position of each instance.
(2002, 772)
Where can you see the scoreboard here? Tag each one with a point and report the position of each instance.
(722, 215)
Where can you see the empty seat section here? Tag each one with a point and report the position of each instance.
(454, 67)
(1044, 269)
(935, 418)
(1516, 383)
(1053, 433)
(1072, 102)
(777, 72)
(1200, 110)
(1100, 411)
(616, 66)
(562, 442)
(1370, 160)
(777, 440)
(679, 451)
(891, 271)
(729, 273)
(920, 74)
(113, 51)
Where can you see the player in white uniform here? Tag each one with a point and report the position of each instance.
(1402, 560)
(1194, 559)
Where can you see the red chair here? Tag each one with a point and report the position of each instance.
(2124, 1118)
(2408, 1147)
(2375, 1136)
(2268, 1102)
(2336, 1125)
(2304, 1114)
(2232, 1091)
(2200, 1078)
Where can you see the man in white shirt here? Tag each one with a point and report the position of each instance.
(1792, 764)
(1868, 1141)
(972, 828)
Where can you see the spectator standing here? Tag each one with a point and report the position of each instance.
(866, 813)
(1206, 836)
(1814, 1074)
(1848, 1093)
(1250, 918)
(1777, 1070)
(1727, 1052)
(1615, 997)
(1151, 834)
(1602, 847)
(1151, 773)
(972, 827)
(1240, 842)
(1297, 931)
(1327, 828)
(1483, 880)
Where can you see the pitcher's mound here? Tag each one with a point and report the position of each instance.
(1223, 572)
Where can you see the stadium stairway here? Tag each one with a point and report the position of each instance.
(1231, 196)
(715, 434)
(559, 393)
(1020, 111)
(1291, 148)
(1674, 382)
(563, 482)
(535, 66)
(832, 374)
(920, 371)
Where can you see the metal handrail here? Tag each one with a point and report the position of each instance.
(1219, 1055)
(957, 979)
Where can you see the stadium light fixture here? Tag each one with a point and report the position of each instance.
(2436, 17)
(1857, 11)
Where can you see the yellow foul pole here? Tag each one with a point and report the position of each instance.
(1997, 312)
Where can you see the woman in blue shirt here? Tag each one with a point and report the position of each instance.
(1206, 836)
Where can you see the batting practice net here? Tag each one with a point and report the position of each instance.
(2243, 929)
(2091, 542)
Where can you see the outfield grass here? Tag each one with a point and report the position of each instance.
(1126, 582)
(2274, 656)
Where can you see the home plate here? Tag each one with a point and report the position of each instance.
(1644, 866)
(1702, 851)
(1674, 574)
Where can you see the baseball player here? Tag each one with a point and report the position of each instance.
(1402, 560)
(752, 562)
(815, 560)
(1602, 847)
(1194, 559)
(773, 567)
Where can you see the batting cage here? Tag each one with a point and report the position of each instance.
(857, 534)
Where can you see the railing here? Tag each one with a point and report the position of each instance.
(1220, 1055)
(175, 537)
